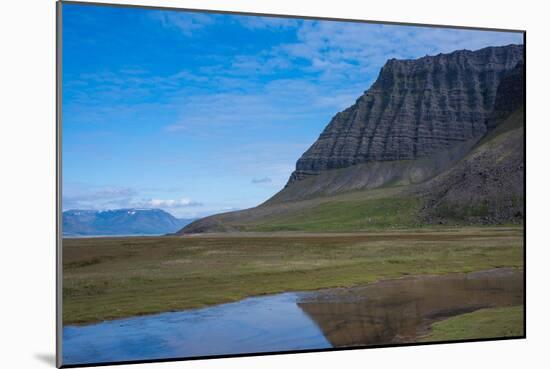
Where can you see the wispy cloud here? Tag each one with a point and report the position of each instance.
(190, 22)
(112, 197)
(348, 50)
(336, 62)
(275, 102)
(261, 180)
(168, 203)
(186, 23)
(95, 197)
(268, 23)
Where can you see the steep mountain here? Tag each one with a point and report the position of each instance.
(416, 108)
(120, 222)
(434, 140)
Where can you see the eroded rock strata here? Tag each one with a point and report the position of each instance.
(416, 108)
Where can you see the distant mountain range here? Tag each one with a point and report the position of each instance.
(436, 140)
(119, 222)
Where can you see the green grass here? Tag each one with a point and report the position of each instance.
(107, 278)
(351, 215)
(484, 323)
(383, 208)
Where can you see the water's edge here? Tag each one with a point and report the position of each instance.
(304, 292)
(388, 311)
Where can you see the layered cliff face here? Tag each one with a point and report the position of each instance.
(415, 109)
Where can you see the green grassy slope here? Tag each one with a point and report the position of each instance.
(379, 208)
(360, 213)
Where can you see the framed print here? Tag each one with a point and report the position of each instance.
(245, 184)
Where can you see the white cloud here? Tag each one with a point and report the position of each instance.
(83, 197)
(283, 101)
(342, 61)
(112, 197)
(262, 64)
(261, 180)
(268, 23)
(186, 22)
(168, 203)
(348, 50)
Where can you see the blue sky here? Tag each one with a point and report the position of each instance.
(201, 113)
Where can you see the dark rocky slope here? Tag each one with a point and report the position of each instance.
(486, 187)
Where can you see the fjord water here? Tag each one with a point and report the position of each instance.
(392, 311)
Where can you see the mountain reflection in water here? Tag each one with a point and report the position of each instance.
(401, 310)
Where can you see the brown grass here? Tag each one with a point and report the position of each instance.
(107, 278)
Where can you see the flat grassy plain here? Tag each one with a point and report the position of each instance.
(484, 323)
(108, 278)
